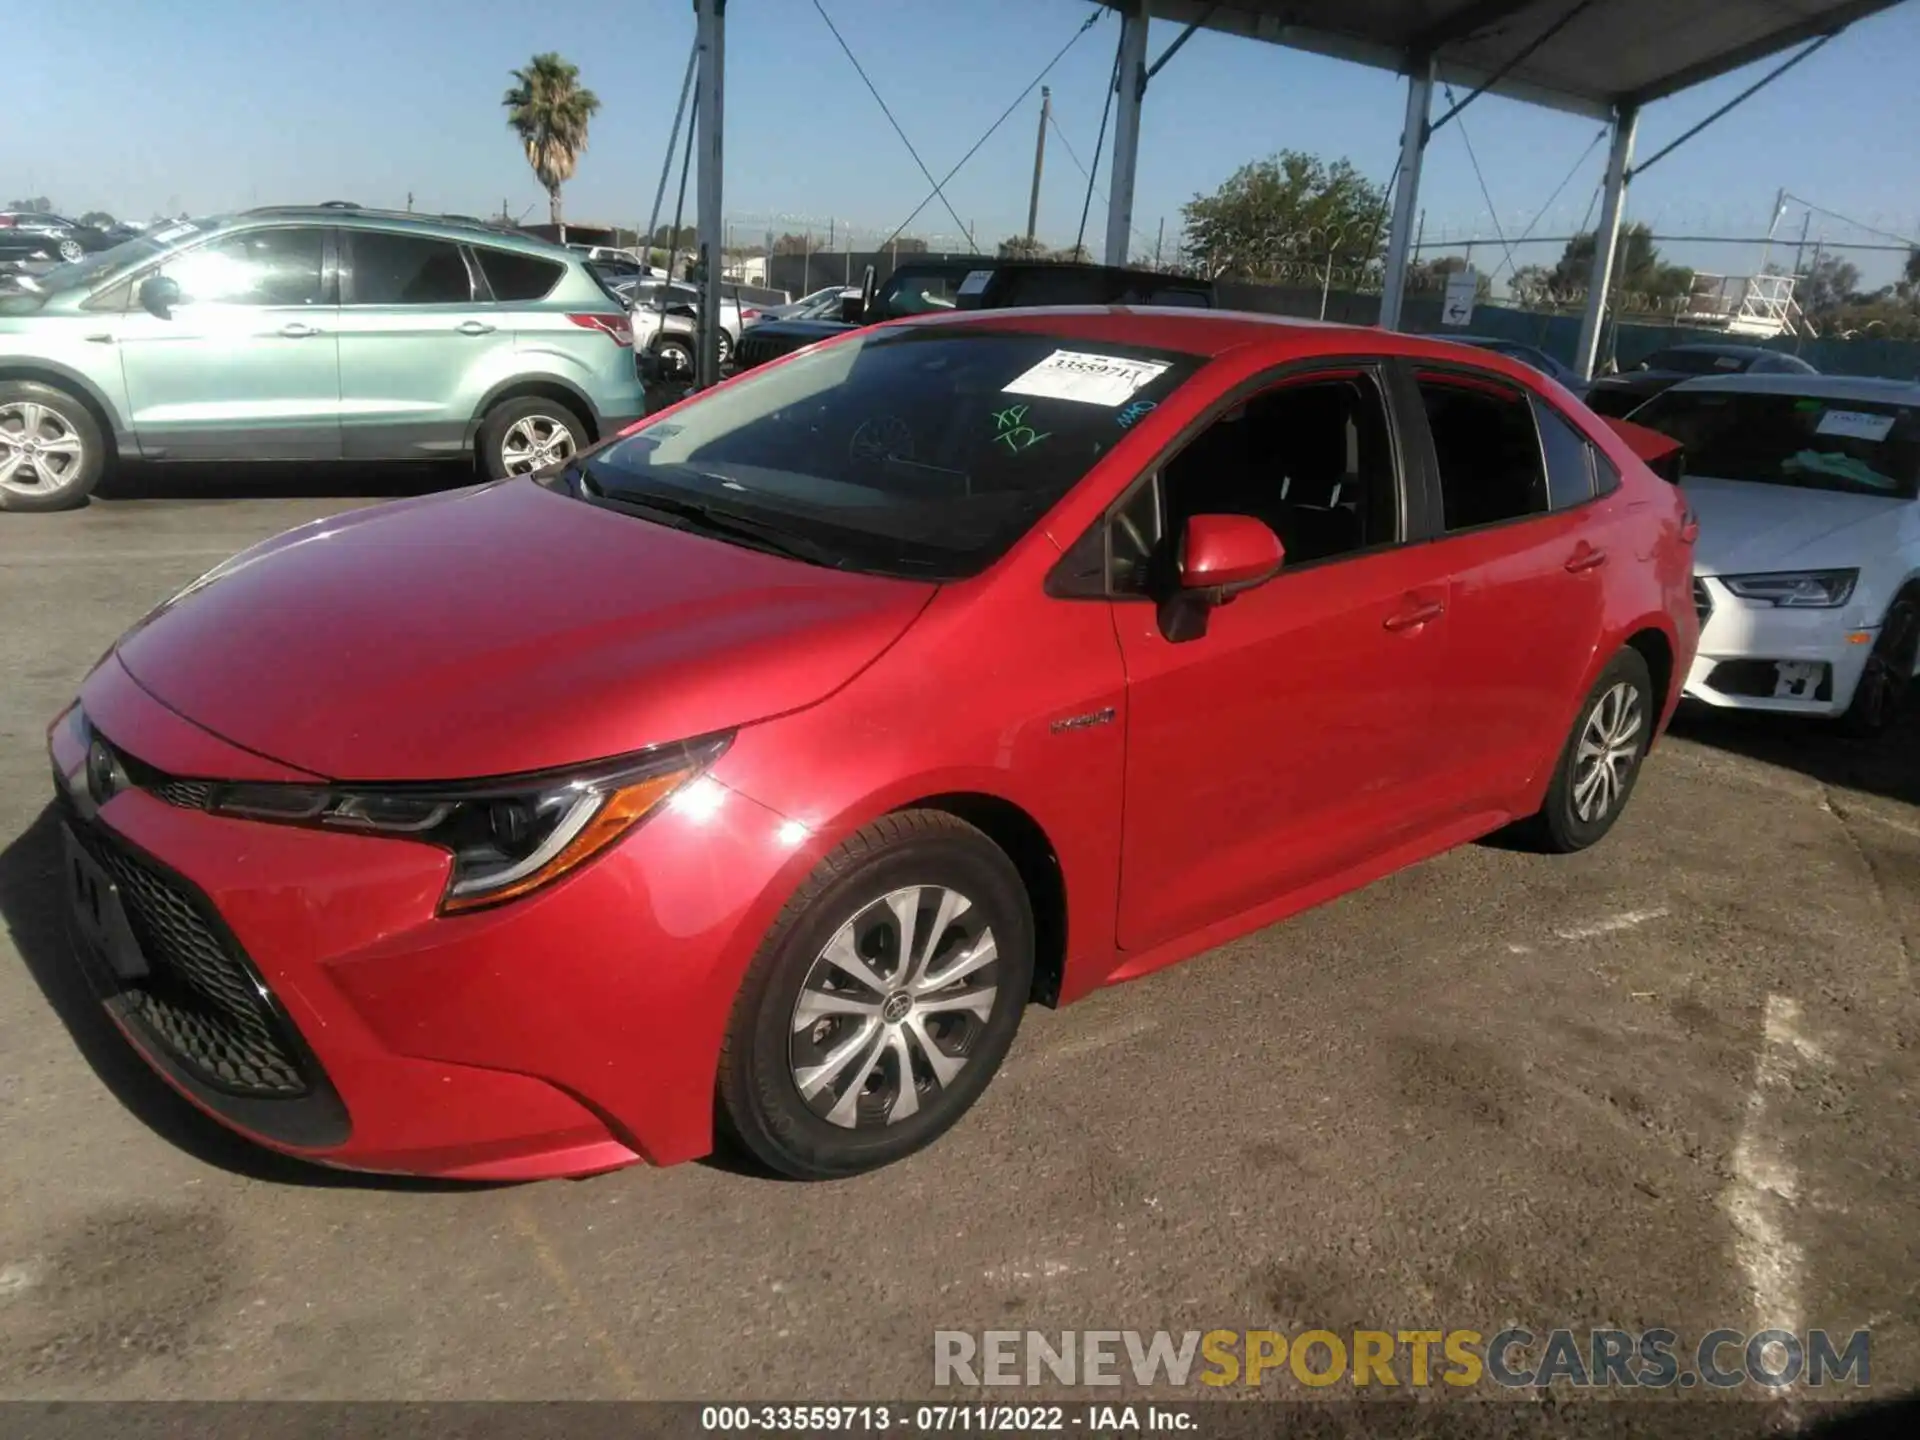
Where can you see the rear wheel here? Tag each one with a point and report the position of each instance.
(882, 1001)
(1886, 684)
(524, 436)
(51, 450)
(1601, 761)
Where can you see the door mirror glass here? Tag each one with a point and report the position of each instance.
(159, 294)
(852, 309)
(1226, 554)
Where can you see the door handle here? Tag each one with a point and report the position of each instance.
(296, 331)
(474, 327)
(1586, 558)
(1417, 616)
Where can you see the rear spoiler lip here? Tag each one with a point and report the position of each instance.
(1660, 453)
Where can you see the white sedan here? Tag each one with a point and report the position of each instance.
(1807, 571)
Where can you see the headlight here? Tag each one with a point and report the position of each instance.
(1796, 589)
(508, 836)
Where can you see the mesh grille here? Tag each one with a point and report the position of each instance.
(757, 350)
(187, 794)
(1702, 599)
(201, 999)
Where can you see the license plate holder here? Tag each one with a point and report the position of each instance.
(1797, 679)
(99, 914)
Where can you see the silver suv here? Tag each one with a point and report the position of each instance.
(321, 333)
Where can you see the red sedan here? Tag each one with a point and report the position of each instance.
(760, 767)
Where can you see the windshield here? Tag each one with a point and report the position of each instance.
(1696, 362)
(1865, 447)
(920, 452)
(103, 265)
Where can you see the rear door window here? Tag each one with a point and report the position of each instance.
(513, 276)
(1867, 447)
(1487, 448)
(1569, 457)
(395, 269)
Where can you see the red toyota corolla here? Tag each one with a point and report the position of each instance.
(762, 766)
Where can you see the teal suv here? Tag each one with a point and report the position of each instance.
(322, 333)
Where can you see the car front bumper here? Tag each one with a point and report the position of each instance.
(1762, 657)
(302, 989)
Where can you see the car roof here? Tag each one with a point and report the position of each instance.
(1209, 334)
(465, 228)
(1812, 387)
(1709, 347)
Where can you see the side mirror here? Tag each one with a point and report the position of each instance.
(158, 295)
(1225, 554)
(853, 309)
(1219, 557)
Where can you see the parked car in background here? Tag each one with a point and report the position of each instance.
(308, 333)
(979, 282)
(672, 346)
(1527, 355)
(818, 305)
(765, 764)
(27, 235)
(1621, 394)
(1807, 573)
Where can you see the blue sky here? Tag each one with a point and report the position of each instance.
(231, 102)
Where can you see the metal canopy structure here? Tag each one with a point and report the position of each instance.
(1601, 58)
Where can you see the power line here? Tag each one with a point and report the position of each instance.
(1054, 123)
(1485, 194)
(1085, 26)
(848, 51)
(1106, 109)
(1836, 215)
(1540, 214)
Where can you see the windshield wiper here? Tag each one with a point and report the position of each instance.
(693, 515)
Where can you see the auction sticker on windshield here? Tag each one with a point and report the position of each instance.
(1093, 379)
(1854, 425)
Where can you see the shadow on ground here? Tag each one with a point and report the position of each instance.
(33, 907)
(1888, 765)
(282, 480)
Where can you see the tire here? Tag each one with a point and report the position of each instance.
(726, 349)
(676, 359)
(527, 435)
(810, 1071)
(1886, 684)
(52, 452)
(71, 250)
(1580, 809)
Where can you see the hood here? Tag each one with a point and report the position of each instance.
(501, 629)
(1748, 529)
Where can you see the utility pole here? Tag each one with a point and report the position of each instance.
(1159, 237)
(1039, 160)
(806, 261)
(409, 202)
(1800, 250)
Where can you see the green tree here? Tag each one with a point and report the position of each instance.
(1640, 276)
(1292, 207)
(1432, 275)
(549, 110)
(1023, 247)
(99, 219)
(1829, 284)
(38, 205)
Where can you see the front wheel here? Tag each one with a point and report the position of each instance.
(1601, 761)
(52, 453)
(881, 1002)
(1887, 682)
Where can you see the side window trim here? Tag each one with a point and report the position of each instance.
(1068, 580)
(1418, 416)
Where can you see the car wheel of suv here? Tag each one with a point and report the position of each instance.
(676, 359)
(881, 1002)
(71, 250)
(1601, 761)
(726, 348)
(1887, 681)
(51, 450)
(520, 437)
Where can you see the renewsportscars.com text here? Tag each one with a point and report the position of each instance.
(1513, 1358)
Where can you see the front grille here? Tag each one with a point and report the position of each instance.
(757, 350)
(1702, 599)
(187, 794)
(201, 997)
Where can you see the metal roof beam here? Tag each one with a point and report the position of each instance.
(1466, 22)
(1745, 95)
(1518, 58)
(1828, 22)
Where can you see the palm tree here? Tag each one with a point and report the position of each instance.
(549, 111)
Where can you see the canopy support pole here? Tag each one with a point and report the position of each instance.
(1606, 240)
(1132, 86)
(711, 31)
(1406, 198)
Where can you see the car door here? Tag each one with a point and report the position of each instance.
(1528, 556)
(1286, 743)
(238, 358)
(410, 333)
